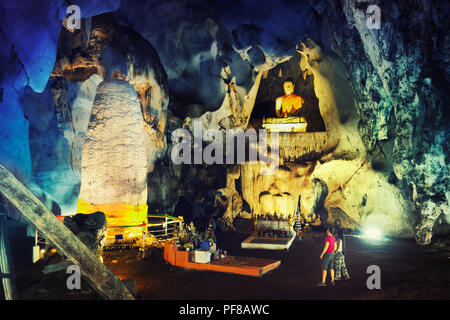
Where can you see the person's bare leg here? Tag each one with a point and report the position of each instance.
(332, 275)
(324, 276)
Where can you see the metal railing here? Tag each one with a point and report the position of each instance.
(159, 229)
(163, 227)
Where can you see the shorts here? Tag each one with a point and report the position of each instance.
(328, 261)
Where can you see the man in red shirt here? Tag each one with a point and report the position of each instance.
(327, 258)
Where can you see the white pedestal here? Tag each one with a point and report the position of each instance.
(200, 256)
(269, 244)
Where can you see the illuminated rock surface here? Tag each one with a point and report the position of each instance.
(398, 82)
(383, 158)
(113, 51)
(197, 39)
(29, 37)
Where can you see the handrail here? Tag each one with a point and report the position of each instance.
(159, 235)
(63, 240)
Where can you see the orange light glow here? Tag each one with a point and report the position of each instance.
(121, 217)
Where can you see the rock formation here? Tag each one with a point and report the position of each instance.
(91, 229)
(114, 161)
(382, 158)
(115, 52)
(398, 82)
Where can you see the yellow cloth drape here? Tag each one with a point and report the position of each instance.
(119, 215)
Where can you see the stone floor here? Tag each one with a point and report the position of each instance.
(407, 272)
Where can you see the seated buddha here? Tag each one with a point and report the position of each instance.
(289, 104)
(288, 110)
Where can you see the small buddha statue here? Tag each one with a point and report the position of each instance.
(289, 104)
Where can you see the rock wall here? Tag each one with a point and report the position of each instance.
(356, 100)
(84, 58)
(29, 37)
(114, 51)
(199, 40)
(399, 83)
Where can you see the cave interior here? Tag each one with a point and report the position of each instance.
(90, 101)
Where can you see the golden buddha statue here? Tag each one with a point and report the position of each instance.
(289, 104)
(287, 108)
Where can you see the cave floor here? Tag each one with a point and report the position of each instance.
(407, 272)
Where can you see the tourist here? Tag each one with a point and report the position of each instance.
(339, 258)
(327, 258)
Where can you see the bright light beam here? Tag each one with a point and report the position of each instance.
(372, 233)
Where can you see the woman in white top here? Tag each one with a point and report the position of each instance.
(339, 259)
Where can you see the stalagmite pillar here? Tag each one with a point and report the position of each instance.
(114, 160)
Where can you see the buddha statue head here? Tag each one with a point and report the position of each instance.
(288, 86)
